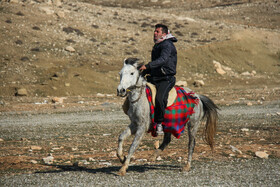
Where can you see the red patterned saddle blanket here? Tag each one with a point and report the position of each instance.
(177, 115)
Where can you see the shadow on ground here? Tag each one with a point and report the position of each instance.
(112, 170)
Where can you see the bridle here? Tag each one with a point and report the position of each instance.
(134, 87)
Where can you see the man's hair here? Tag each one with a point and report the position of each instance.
(164, 28)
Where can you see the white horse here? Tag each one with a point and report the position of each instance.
(133, 84)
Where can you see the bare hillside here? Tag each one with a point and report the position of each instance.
(70, 48)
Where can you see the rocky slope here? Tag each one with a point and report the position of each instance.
(70, 48)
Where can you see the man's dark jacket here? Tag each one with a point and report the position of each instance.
(164, 60)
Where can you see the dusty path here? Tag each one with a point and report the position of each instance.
(89, 139)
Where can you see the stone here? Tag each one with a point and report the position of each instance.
(35, 147)
(33, 161)
(249, 104)
(57, 2)
(1, 140)
(198, 83)
(70, 49)
(244, 130)
(235, 150)
(21, 92)
(47, 10)
(246, 73)
(60, 14)
(159, 158)
(262, 154)
(48, 160)
(182, 83)
(100, 95)
(219, 68)
(58, 99)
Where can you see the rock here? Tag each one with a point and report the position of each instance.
(57, 2)
(47, 10)
(33, 161)
(58, 99)
(249, 104)
(198, 83)
(105, 163)
(60, 14)
(35, 147)
(70, 49)
(182, 83)
(246, 73)
(21, 92)
(220, 71)
(244, 130)
(84, 162)
(1, 140)
(159, 158)
(67, 84)
(48, 160)
(262, 154)
(235, 150)
(219, 68)
(253, 72)
(100, 95)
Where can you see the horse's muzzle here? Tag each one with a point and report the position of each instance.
(121, 92)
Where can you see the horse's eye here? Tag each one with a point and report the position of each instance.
(131, 73)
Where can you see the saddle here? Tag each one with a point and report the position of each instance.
(171, 97)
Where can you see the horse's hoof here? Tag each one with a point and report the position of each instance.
(186, 168)
(122, 172)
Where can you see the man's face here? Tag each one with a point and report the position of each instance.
(158, 34)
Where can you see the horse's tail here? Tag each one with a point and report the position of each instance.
(211, 114)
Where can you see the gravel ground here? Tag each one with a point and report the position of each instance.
(236, 172)
(254, 172)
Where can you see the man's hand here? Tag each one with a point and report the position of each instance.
(142, 68)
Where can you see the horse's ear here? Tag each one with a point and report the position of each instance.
(139, 64)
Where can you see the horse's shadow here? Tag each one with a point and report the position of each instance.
(111, 170)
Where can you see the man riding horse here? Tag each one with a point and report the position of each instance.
(162, 70)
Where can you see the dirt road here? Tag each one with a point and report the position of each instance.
(83, 144)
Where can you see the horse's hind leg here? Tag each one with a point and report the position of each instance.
(192, 130)
(165, 142)
(138, 136)
(127, 132)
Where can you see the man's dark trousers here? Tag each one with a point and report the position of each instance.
(163, 87)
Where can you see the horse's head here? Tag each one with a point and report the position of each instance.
(129, 75)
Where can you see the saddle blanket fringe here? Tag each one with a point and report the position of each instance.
(177, 115)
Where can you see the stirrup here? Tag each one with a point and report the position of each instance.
(159, 129)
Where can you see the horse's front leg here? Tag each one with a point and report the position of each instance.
(127, 132)
(138, 137)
